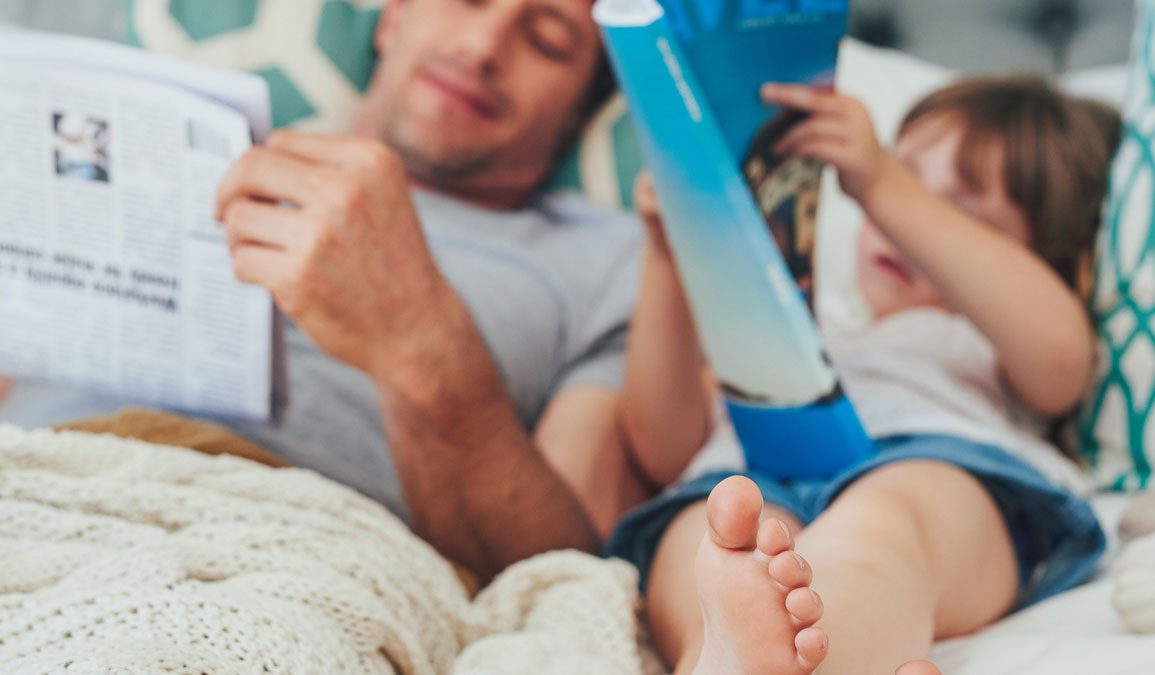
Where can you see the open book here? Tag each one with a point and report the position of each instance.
(740, 219)
(114, 275)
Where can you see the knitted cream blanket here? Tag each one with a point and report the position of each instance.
(124, 557)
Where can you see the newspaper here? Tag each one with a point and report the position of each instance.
(114, 275)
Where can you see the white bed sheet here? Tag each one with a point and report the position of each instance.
(1076, 633)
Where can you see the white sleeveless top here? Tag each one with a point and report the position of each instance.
(924, 371)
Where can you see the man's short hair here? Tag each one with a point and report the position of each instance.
(601, 88)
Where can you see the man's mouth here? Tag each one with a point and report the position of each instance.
(470, 95)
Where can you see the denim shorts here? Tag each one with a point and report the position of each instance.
(1056, 536)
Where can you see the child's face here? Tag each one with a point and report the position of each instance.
(889, 282)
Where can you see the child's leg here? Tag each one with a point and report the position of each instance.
(913, 552)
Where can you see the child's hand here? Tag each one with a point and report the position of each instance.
(646, 204)
(838, 132)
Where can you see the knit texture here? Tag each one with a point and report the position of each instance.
(127, 557)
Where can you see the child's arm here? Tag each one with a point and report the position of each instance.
(1036, 324)
(667, 413)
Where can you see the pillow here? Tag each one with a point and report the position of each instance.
(317, 55)
(1118, 428)
(1107, 84)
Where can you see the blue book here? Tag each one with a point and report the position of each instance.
(741, 220)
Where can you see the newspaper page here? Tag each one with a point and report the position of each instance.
(114, 275)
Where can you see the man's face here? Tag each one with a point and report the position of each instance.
(482, 88)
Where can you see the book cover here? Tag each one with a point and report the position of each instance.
(740, 219)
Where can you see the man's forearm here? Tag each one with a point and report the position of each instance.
(351, 266)
(476, 486)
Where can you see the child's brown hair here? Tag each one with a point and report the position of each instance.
(1057, 154)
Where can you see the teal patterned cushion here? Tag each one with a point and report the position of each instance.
(1118, 428)
(317, 55)
(607, 159)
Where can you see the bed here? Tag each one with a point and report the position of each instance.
(122, 556)
(1077, 633)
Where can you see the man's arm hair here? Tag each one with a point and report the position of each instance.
(351, 266)
(476, 485)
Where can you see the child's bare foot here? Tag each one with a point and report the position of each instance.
(758, 607)
(918, 668)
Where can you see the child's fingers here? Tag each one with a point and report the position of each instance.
(815, 128)
(807, 99)
(822, 149)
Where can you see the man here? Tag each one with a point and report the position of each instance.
(435, 294)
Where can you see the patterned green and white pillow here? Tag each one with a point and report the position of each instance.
(317, 55)
(1118, 429)
(606, 160)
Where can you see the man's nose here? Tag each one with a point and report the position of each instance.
(484, 40)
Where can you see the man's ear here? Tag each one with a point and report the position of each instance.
(388, 24)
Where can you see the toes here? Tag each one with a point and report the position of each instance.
(774, 537)
(804, 606)
(918, 668)
(812, 645)
(790, 570)
(733, 510)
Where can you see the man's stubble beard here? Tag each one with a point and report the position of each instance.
(437, 171)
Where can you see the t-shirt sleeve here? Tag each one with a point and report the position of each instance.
(596, 350)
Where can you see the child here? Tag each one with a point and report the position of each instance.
(977, 228)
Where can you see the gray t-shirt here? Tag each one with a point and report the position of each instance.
(551, 288)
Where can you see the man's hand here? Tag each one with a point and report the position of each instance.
(328, 226)
(838, 132)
